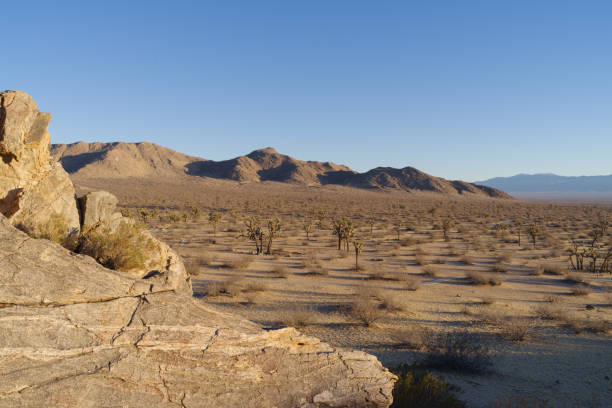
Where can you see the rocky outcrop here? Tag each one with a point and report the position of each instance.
(74, 334)
(98, 207)
(33, 190)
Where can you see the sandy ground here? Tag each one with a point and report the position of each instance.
(553, 362)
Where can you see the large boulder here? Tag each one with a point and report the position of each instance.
(33, 190)
(74, 334)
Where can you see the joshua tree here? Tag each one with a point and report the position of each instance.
(519, 230)
(398, 228)
(358, 247)
(339, 227)
(349, 233)
(533, 231)
(274, 228)
(307, 227)
(255, 233)
(343, 229)
(214, 217)
(195, 213)
(447, 224)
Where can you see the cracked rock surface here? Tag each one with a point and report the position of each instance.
(74, 334)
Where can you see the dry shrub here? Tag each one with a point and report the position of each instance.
(239, 263)
(421, 251)
(580, 291)
(254, 286)
(318, 270)
(477, 278)
(487, 301)
(280, 272)
(127, 247)
(393, 302)
(310, 261)
(415, 337)
(553, 269)
(538, 270)
(301, 316)
(412, 284)
(230, 287)
(430, 271)
(204, 259)
(506, 257)
(517, 330)
(499, 267)
(55, 229)
(549, 312)
(421, 260)
(458, 351)
(366, 310)
(467, 259)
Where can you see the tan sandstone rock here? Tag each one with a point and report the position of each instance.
(74, 334)
(32, 188)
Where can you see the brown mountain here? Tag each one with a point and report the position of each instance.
(268, 165)
(411, 179)
(120, 160)
(146, 160)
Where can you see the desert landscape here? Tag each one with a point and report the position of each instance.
(492, 279)
(321, 204)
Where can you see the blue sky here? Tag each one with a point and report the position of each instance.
(459, 89)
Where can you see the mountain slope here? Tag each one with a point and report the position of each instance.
(410, 179)
(541, 183)
(145, 160)
(267, 165)
(120, 160)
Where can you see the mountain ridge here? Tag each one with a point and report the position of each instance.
(118, 160)
(549, 182)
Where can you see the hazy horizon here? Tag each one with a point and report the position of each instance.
(469, 90)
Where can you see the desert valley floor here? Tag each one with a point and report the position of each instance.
(534, 327)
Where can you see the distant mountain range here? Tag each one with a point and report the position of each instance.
(551, 183)
(146, 160)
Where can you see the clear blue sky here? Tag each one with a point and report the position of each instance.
(459, 89)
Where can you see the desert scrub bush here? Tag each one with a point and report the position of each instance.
(204, 259)
(417, 388)
(467, 259)
(430, 271)
(279, 272)
(412, 284)
(549, 312)
(239, 263)
(230, 287)
(458, 351)
(366, 310)
(477, 278)
(317, 270)
(580, 290)
(301, 316)
(254, 286)
(499, 267)
(413, 337)
(516, 330)
(393, 303)
(55, 229)
(553, 269)
(125, 248)
(421, 260)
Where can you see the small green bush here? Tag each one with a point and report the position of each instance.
(416, 388)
